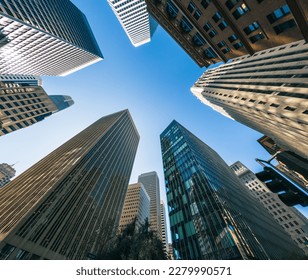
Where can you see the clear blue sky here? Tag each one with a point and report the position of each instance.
(153, 81)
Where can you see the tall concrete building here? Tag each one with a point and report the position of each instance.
(212, 30)
(22, 105)
(136, 206)
(266, 92)
(164, 229)
(212, 216)
(135, 20)
(45, 37)
(291, 164)
(291, 220)
(68, 204)
(7, 172)
(150, 182)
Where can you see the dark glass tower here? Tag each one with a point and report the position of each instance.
(68, 204)
(211, 215)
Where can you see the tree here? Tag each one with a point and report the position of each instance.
(135, 243)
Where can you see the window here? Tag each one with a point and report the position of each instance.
(284, 26)
(251, 27)
(238, 45)
(205, 3)
(198, 40)
(232, 38)
(207, 26)
(212, 33)
(216, 17)
(226, 50)
(241, 10)
(257, 37)
(222, 25)
(279, 13)
(185, 25)
(209, 53)
(231, 3)
(191, 6)
(289, 108)
(197, 14)
(171, 9)
(221, 44)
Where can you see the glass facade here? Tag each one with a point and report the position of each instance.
(211, 215)
(68, 205)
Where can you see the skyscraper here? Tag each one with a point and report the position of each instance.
(211, 31)
(150, 182)
(292, 221)
(45, 37)
(7, 172)
(267, 92)
(136, 206)
(22, 105)
(68, 204)
(135, 20)
(164, 232)
(212, 216)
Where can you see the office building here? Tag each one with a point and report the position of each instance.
(7, 172)
(136, 207)
(46, 37)
(266, 92)
(135, 20)
(22, 105)
(211, 31)
(150, 182)
(68, 205)
(291, 164)
(163, 223)
(291, 220)
(212, 216)
(170, 251)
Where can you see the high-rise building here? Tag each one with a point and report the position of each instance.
(22, 105)
(212, 216)
(22, 79)
(163, 223)
(170, 252)
(136, 206)
(135, 20)
(46, 37)
(68, 205)
(266, 92)
(7, 172)
(211, 30)
(291, 164)
(291, 220)
(150, 182)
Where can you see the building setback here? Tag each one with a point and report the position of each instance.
(150, 182)
(291, 220)
(68, 205)
(22, 105)
(136, 206)
(211, 30)
(135, 20)
(266, 92)
(46, 37)
(163, 223)
(7, 172)
(212, 216)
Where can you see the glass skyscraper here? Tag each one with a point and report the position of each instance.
(45, 37)
(68, 204)
(212, 216)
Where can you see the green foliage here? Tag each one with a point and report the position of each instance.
(134, 244)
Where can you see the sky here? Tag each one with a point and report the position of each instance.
(153, 81)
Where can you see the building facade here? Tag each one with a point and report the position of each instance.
(22, 79)
(164, 232)
(150, 182)
(136, 206)
(291, 164)
(46, 37)
(68, 205)
(135, 20)
(266, 92)
(22, 105)
(211, 30)
(291, 220)
(212, 216)
(7, 172)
